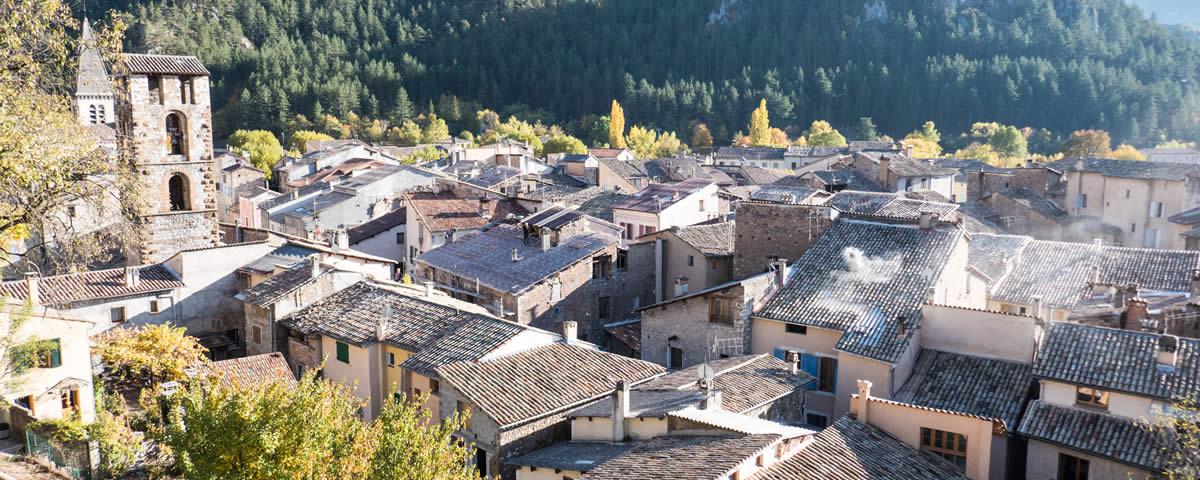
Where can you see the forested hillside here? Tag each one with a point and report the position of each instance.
(1056, 64)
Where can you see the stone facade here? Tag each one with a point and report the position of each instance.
(150, 107)
(764, 231)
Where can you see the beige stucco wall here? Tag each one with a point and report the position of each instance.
(46, 384)
(1125, 202)
(851, 369)
(599, 429)
(905, 422)
(1041, 463)
(978, 333)
(533, 473)
(1120, 404)
(361, 374)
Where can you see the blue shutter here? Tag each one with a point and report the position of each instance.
(810, 364)
(835, 375)
(780, 353)
(56, 355)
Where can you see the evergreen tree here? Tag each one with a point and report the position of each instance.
(866, 129)
(402, 108)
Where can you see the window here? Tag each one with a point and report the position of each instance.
(391, 359)
(601, 267)
(461, 408)
(256, 333)
(154, 85)
(1081, 200)
(434, 386)
(175, 135)
(1072, 468)
(70, 400)
(177, 187)
(948, 445)
(604, 307)
(622, 260)
(343, 353)
(691, 261)
(1091, 398)
(676, 358)
(51, 357)
(154, 306)
(1152, 239)
(824, 369)
(701, 205)
(1133, 228)
(1126, 193)
(816, 419)
(187, 94)
(627, 231)
(796, 329)
(116, 315)
(720, 310)
(1156, 209)
(481, 463)
(399, 238)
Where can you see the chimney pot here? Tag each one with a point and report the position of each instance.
(793, 359)
(132, 278)
(863, 401)
(570, 331)
(545, 235)
(1135, 312)
(711, 401)
(781, 271)
(1166, 355)
(620, 410)
(926, 220)
(341, 239)
(428, 289)
(515, 255)
(1037, 307)
(32, 280)
(314, 264)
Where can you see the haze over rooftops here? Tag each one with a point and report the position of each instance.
(1128, 168)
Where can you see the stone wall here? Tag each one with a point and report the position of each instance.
(765, 230)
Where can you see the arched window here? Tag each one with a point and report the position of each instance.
(101, 115)
(92, 114)
(177, 187)
(175, 137)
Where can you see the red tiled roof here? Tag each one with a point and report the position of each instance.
(605, 152)
(256, 370)
(93, 285)
(443, 211)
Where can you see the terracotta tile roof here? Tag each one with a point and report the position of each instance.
(659, 196)
(163, 64)
(1037, 204)
(94, 285)
(379, 225)
(977, 386)
(745, 382)
(629, 333)
(605, 152)
(849, 450)
(969, 165)
(699, 457)
(248, 371)
(444, 211)
(576, 456)
(816, 151)
(786, 194)
(272, 289)
(538, 382)
(486, 257)
(1096, 433)
(1120, 360)
(850, 179)
(714, 240)
(868, 280)
(622, 168)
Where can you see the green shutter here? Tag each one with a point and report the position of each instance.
(56, 354)
(343, 353)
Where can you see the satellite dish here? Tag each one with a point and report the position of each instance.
(705, 372)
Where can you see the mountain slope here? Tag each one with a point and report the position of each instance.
(1057, 64)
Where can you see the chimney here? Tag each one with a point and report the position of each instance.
(881, 174)
(1195, 293)
(711, 401)
(428, 289)
(314, 263)
(1037, 307)
(545, 236)
(681, 286)
(1166, 352)
(908, 148)
(1135, 312)
(515, 256)
(902, 326)
(1094, 274)
(793, 359)
(926, 220)
(31, 284)
(341, 239)
(132, 277)
(381, 324)
(781, 271)
(620, 410)
(570, 331)
(862, 402)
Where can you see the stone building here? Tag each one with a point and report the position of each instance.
(165, 120)
(688, 258)
(758, 240)
(94, 97)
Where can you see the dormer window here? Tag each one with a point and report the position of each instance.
(1091, 398)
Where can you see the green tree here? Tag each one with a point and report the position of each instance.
(821, 133)
(435, 130)
(924, 142)
(427, 154)
(701, 137)
(668, 145)
(148, 355)
(1009, 143)
(927, 132)
(260, 146)
(300, 139)
(563, 144)
(402, 107)
(408, 134)
(866, 129)
(616, 126)
(598, 131)
(982, 152)
(760, 126)
(310, 430)
(1088, 143)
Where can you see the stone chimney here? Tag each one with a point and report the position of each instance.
(620, 410)
(1195, 290)
(485, 207)
(428, 289)
(381, 323)
(545, 236)
(781, 271)
(314, 264)
(711, 401)
(341, 239)
(881, 175)
(1135, 312)
(1165, 355)
(570, 331)
(1094, 274)
(792, 357)
(925, 219)
(859, 406)
(908, 149)
(32, 279)
(1037, 307)
(132, 277)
